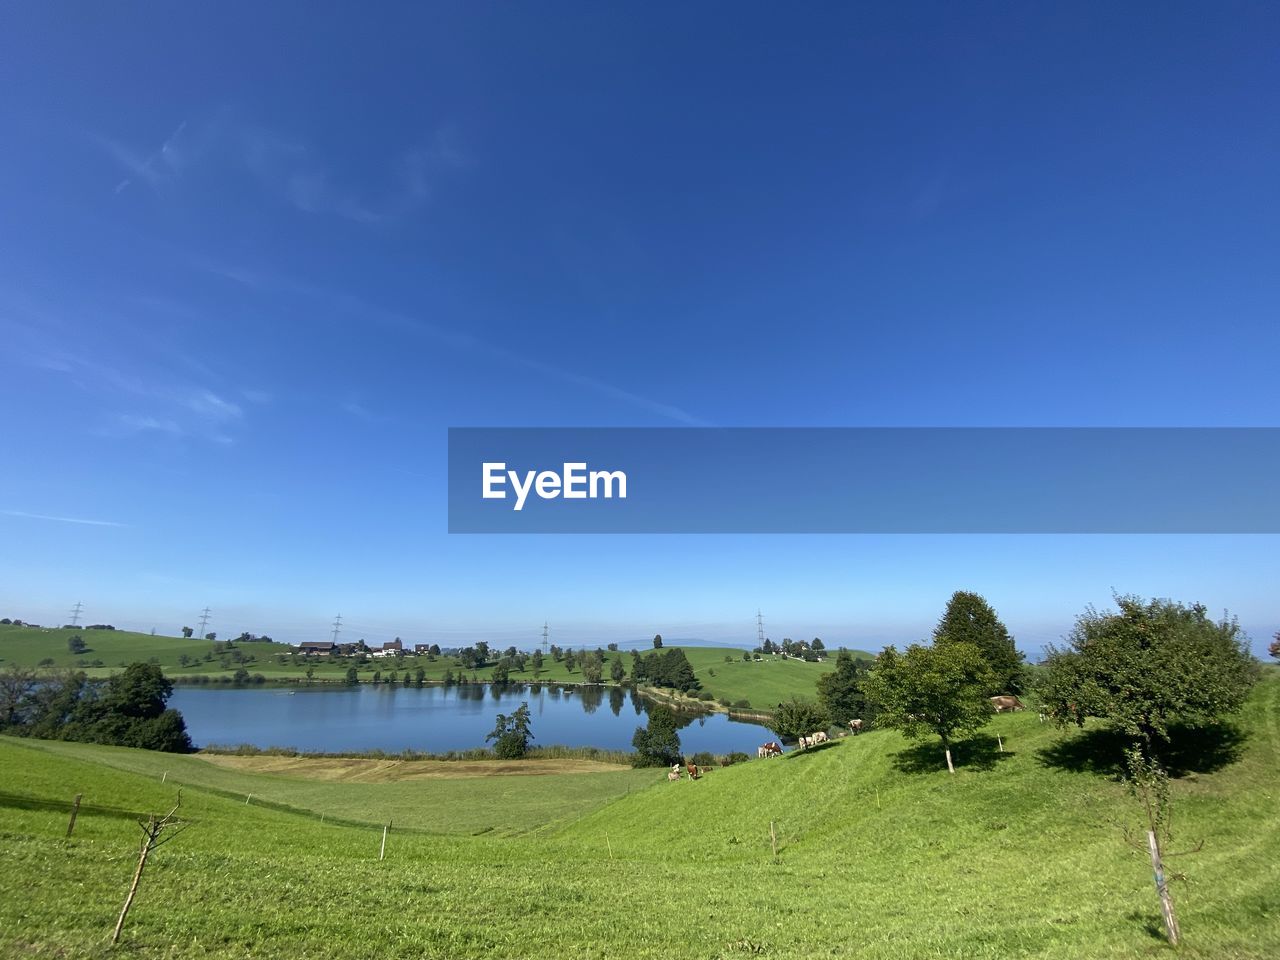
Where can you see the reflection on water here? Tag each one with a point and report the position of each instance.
(435, 719)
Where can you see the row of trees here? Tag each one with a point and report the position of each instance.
(668, 668)
(127, 710)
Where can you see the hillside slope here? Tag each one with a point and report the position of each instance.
(881, 854)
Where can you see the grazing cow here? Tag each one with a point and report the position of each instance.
(819, 737)
(855, 726)
(674, 772)
(805, 742)
(693, 771)
(1007, 703)
(771, 749)
(762, 751)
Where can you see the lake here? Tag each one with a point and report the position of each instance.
(434, 719)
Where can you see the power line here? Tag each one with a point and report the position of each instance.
(204, 622)
(75, 613)
(337, 626)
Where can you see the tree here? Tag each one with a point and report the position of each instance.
(241, 676)
(940, 690)
(187, 632)
(502, 671)
(1274, 649)
(592, 667)
(1148, 668)
(746, 655)
(76, 644)
(434, 650)
(353, 675)
(970, 619)
(613, 648)
(511, 735)
(482, 653)
(570, 661)
(840, 693)
(419, 676)
(657, 642)
(658, 744)
(798, 718)
(536, 660)
(211, 636)
(818, 644)
(617, 672)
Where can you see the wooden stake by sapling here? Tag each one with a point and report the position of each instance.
(1000, 743)
(151, 831)
(75, 809)
(773, 840)
(383, 852)
(609, 845)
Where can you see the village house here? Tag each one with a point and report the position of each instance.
(321, 649)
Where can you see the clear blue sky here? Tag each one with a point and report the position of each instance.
(255, 259)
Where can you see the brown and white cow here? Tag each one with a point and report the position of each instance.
(1007, 703)
(819, 737)
(855, 726)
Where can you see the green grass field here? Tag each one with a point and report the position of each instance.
(881, 854)
(762, 685)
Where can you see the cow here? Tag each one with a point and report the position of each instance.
(819, 737)
(855, 726)
(805, 742)
(674, 772)
(693, 771)
(770, 749)
(1007, 703)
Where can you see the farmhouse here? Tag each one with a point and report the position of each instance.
(323, 649)
(421, 648)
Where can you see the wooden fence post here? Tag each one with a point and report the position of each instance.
(75, 809)
(773, 840)
(383, 852)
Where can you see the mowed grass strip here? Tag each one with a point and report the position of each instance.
(882, 855)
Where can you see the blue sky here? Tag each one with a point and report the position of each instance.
(254, 262)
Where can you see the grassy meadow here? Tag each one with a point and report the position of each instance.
(881, 854)
(761, 685)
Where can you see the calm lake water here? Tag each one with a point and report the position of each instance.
(435, 719)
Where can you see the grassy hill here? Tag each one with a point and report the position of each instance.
(881, 854)
(759, 684)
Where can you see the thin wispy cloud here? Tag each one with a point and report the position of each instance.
(463, 343)
(289, 168)
(155, 169)
(22, 514)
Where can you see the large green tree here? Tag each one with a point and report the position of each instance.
(970, 619)
(511, 735)
(798, 718)
(1148, 667)
(840, 692)
(939, 690)
(658, 744)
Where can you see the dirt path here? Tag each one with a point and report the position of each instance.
(338, 769)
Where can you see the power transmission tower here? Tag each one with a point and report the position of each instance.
(75, 613)
(544, 636)
(337, 626)
(759, 628)
(204, 622)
